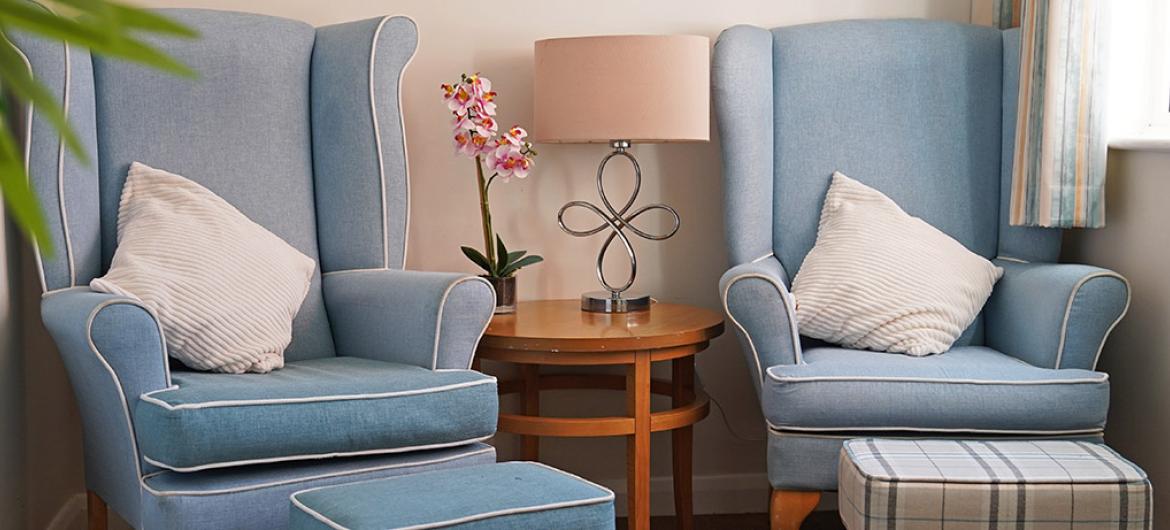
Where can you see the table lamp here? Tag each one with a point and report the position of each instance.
(620, 90)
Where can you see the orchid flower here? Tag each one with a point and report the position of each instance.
(476, 135)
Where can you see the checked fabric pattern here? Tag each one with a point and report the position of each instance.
(1018, 485)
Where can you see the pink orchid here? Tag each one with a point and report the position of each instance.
(507, 155)
(486, 126)
(463, 144)
(508, 161)
(460, 101)
(515, 136)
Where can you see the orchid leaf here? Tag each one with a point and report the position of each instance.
(523, 262)
(476, 257)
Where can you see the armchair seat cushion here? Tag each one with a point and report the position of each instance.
(333, 406)
(967, 389)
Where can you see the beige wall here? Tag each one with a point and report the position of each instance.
(495, 37)
(1136, 243)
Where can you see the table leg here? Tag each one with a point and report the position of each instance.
(531, 375)
(682, 443)
(638, 445)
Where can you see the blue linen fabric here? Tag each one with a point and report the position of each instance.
(256, 497)
(923, 111)
(359, 148)
(312, 409)
(489, 497)
(333, 185)
(428, 319)
(969, 389)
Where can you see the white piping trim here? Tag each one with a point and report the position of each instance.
(345, 271)
(1128, 300)
(378, 144)
(27, 160)
(787, 309)
(315, 456)
(764, 257)
(323, 476)
(1011, 259)
(402, 125)
(475, 517)
(487, 323)
(443, 305)
(861, 429)
(1068, 312)
(149, 397)
(853, 435)
(61, 173)
(880, 379)
(114, 375)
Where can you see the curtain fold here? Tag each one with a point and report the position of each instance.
(1058, 175)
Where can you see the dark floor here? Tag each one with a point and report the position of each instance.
(827, 520)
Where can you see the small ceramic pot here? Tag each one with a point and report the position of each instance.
(505, 293)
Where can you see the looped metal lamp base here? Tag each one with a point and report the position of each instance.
(616, 298)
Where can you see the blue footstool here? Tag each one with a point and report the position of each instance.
(510, 495)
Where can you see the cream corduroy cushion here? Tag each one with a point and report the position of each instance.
(881, 279)
(224, 288)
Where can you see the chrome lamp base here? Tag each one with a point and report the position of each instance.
(615, 298)
(607, 302)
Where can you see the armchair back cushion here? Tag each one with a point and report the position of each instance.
(912, 108)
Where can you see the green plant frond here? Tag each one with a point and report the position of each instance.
(103, 35)
(21, 83)
(523, 262)
(513, 256)
(131, 17)
(501, 257)
(477, 258)
(18, 194)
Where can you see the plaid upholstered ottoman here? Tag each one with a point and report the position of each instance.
(913, 484)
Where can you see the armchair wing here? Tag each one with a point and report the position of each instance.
(756, 299)
(114, 351)
(428, 319)
(1054, 315)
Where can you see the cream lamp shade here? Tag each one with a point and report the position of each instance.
(641, 88)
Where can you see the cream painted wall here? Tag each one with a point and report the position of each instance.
(496, 39)
(1136, 243)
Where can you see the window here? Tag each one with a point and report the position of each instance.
(1139, 74)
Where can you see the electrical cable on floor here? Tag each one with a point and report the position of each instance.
(723, 414)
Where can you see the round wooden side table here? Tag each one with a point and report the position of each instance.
(557, 332)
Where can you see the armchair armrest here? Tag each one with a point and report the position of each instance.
(429, 319)
(114, 351)
(756, 299)
(1054, 315)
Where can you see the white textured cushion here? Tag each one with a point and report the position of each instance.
(225, 289)
(880, 279)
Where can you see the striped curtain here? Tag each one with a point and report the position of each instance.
(1059, 167)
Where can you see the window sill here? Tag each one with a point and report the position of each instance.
(1149, 139)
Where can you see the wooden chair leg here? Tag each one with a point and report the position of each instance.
(96, 510)
(789, 508)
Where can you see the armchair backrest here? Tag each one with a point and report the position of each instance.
(297, 127)
(922, 110)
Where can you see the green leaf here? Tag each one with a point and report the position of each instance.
(102, 35)
(477, 258)
(19, 198)
(20, 81)
(501, 257)
(530, 260)
(513, 256)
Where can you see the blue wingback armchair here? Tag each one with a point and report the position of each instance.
(925, 112)
(300, 129)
